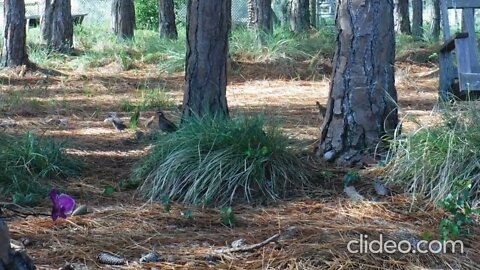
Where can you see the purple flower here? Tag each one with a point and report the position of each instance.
(63, 204)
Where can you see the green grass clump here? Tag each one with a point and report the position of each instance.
(26, 161)
(219, 162)
(431, 161)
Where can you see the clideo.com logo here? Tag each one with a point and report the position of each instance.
(363, 245)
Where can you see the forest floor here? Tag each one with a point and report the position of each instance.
(321, 223)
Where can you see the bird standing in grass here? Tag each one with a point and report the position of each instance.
(117, 122)
(165, 124)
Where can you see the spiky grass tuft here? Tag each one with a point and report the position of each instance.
(432, 160)
(219, 162)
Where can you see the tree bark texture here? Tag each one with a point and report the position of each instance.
(403, 17)
(10, 259)
(417, 19)
(251, 13)
(361, 108)
(123, 19)
(46, 20)
(298, 13)
(436, 19)
(166, 19)
(62, 26)
(14, 43)
(313, 13)
(206, 59)
(263, 19)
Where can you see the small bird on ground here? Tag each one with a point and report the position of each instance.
(117, 122)
(165, 124)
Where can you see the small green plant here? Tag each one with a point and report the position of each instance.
(458, 206)
(108, 190)
(167, 203)
(134, 119)
(351, 178)
(128, 184)
(188, 214)
(227, 217)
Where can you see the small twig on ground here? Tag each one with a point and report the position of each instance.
(248, 247)
(24, 214)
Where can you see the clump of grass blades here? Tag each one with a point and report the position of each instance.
(219, 162)
(432, 160)
(25, 161)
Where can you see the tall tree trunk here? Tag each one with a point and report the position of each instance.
(361, 108)
(206, 59)
(62, 26)
(46, 20)
(313, 13)
(229, 16)
(403, 17)
(298, 15)
(417, 19)
(123, 19)
(166, 19)
(263, 19)
(251, 13)
(436, 19)
(14, 43)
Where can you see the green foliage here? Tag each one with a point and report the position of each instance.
(215, 162)
(134, 120)
(432, 160)
(26, 161)
(459, 208)
(227, 217)
(166, 202)
(108, 190)
(146, 14)
(351, 178)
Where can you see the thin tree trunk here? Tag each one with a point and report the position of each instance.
(62, 26)
(361, 108)
(123, 19)
(436, 19)
(298, 13)
(10, 259)
(313, 13)
(403, 17)
(46, 20)
(263, 19)
(14, 43)
(417, 19)
(166, 19)
(206, 59)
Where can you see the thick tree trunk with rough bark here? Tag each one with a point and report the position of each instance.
(206, 59)
(62, 26)
(166, 19)
(14, 42)
(10, 259)
(403, 17)
(436, 19)
(46, 20)
(313, 13)
(298, 13)
(361, 108)
(123, 19)
(417, 19)
(262, 19)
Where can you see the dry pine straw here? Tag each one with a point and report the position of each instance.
(322, 229)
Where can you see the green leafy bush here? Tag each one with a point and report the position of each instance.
(146, 14)
(24, 162)
(217, 162)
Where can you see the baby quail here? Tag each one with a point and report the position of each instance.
(165, 124)
(117, 122)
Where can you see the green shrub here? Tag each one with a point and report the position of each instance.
(25, 162)
(146, 14)
(217, 162)
(432, 160)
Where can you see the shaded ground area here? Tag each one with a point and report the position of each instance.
(319, 224)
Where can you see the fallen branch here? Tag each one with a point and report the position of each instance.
(248, 247)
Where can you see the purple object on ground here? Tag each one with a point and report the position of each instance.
(63, 204)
